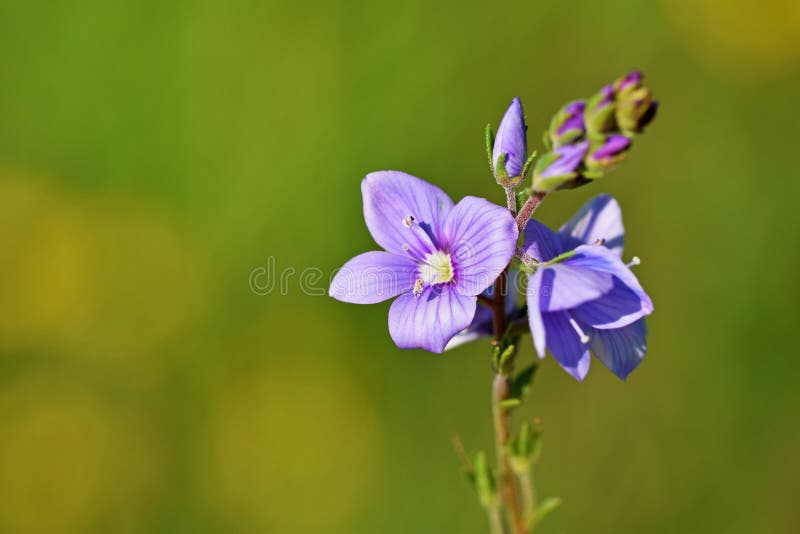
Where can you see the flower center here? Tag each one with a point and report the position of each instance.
(437, 268)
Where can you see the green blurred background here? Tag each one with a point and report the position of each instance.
(153, 154)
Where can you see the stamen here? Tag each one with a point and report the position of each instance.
(634, 261)
(583, 336)
(418, 286)
(601, 241)
(408, 221)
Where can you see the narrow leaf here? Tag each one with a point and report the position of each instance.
(545, 507)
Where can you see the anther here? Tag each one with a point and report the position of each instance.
(634, 261)
(408, 221)
(417, 287)
(600, 241)
(583, 336)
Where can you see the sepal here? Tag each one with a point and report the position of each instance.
(567, 126)
(600, 112)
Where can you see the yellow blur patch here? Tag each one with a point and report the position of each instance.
(67, 462)
(104, 276)
(746, 36)
(47, 264)
(293, 450)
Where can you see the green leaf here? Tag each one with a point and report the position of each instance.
(548, 144)
(527, 167)
(510, 403)
(522, 382)
(489, 146)
(500, 169)
(484, 480)
(495, 358)
(506, 355)
(545, 507)
(593, 175)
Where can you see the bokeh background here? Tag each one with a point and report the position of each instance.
(153, 155)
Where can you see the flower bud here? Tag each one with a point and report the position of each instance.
(567, 125)
(635, 104)
(608, 153)
(600, 111)
(560, 166)
(511, 141)
(629, 82)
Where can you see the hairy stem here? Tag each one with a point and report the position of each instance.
(500, 392)
(528, 208)
(508, 487)
(501, 388)
(511, 200)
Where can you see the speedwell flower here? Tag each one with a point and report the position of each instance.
(437, 257)
(584, 297)
(482, 324)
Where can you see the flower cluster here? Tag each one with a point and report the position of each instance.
(441, 259)
(588, 138)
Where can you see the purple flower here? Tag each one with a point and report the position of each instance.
(437, 257)
(482, 324)
(612, 150)
(511, 140)
(567, 125)
(568, 161)
(590, 300)
(556, 168)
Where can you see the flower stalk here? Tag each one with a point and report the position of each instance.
(502, 420)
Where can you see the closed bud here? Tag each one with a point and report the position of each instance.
(556, 168)
(567, 125)
(629, 82)
(511, 143)
(600, 111)
(635, 105)
(606, 154)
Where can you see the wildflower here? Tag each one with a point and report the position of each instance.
(512, 141)
(584, 297)
(482, 324)
(437, 257)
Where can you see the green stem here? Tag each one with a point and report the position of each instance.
(508, 487)
(528, 499)
(495, 522)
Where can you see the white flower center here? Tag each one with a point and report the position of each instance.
(437, 268)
